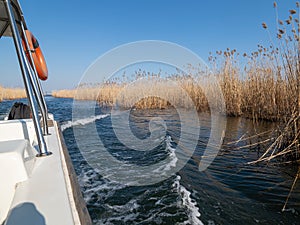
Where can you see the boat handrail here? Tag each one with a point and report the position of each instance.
(36, 85)
(31, 82)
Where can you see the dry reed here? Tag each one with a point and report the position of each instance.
(11, 93)
(268, 87)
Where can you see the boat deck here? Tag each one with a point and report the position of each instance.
(45, 195)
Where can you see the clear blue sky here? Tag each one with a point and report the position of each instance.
(74, 33)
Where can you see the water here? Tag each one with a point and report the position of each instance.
(228, 192)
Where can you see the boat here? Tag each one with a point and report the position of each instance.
(38, 184)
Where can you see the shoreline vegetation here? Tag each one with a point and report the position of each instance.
(11, 93)
(267, 87)
(262, 85)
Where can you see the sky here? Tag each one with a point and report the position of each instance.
(73, 34)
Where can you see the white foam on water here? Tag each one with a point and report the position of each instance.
(97, 192)
(82, 121)
(172, 158)
(90, 180)
(187, 202)
(161, 170)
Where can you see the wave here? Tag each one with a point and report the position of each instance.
(171, 156)
(84, 121)
(95, 185)
(188, 203)
(108, 197)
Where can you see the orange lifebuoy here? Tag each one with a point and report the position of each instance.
(37, 56)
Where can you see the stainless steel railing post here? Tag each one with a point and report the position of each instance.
(35, 84)
(25, 74)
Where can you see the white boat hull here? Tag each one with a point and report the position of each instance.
(37, 190)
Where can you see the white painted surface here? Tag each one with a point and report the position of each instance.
(13, 170)
(17, 129)
(43, 196)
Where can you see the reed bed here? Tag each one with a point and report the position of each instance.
(255, 93)
(11, 93)
(265, 87)
(146, 93)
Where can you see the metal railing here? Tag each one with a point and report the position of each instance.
(31, 82)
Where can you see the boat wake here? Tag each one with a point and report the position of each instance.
(185, 200)
(152, 204)
(171, 156)
(188, 203)
(82, 122)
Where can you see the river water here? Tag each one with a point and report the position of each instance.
(228, 192)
